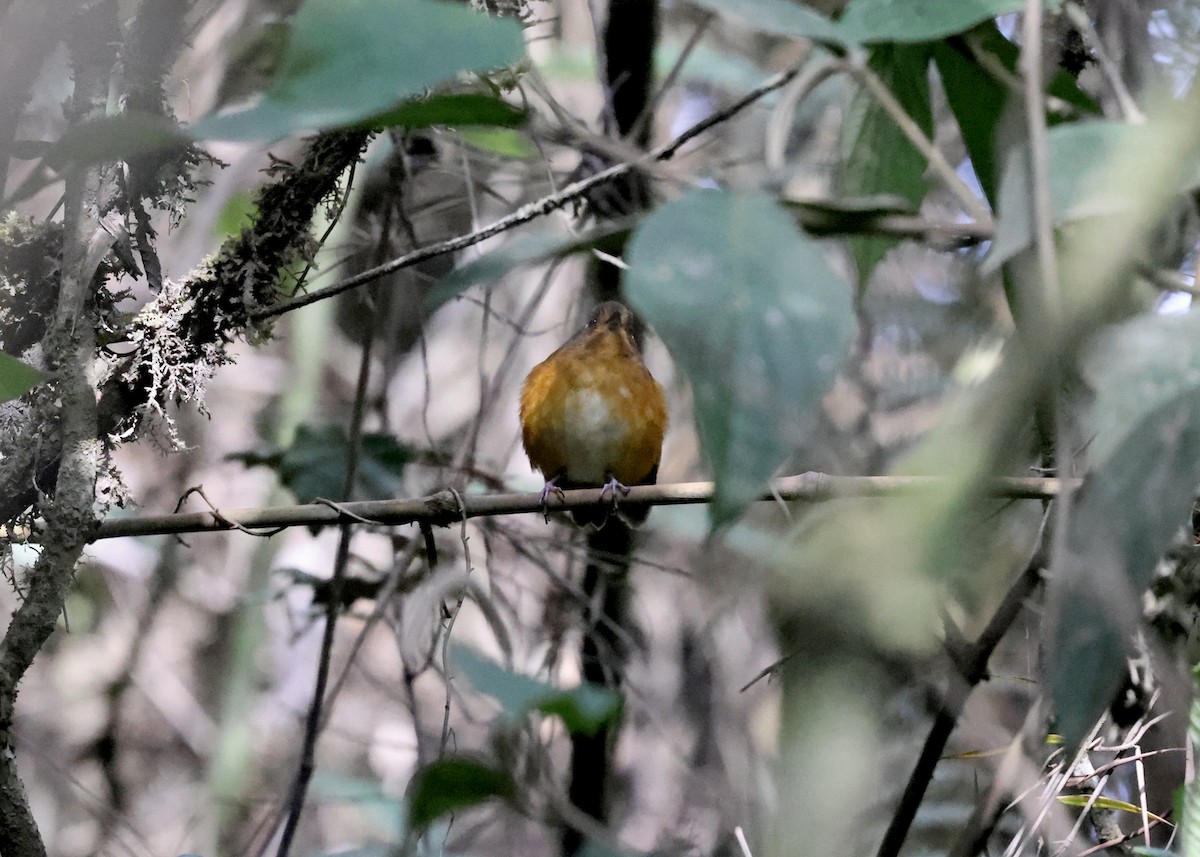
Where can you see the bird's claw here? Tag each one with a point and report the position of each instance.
(551, 487)
(612, 488)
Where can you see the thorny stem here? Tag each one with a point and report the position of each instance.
(972, 669)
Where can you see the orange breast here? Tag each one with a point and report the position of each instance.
(592, 415)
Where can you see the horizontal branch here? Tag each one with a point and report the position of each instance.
(447, 507)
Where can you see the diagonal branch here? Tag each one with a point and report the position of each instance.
(971, 665)
(537, 208)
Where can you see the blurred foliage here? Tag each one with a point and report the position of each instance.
(453, 784)
(582, 709)
(858, 351)
(758, 347)
(314, 464)
(338, 69)
(878, 158)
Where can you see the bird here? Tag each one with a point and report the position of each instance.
(591, 413)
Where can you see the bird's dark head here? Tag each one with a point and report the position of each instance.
(611, 322)
(612, 315)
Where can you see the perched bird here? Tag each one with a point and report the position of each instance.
(591, 412)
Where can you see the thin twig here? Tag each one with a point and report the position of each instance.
(992, 65)
(912, 131)
(396, 582)
(972, 669)
(1039, 164)
(1167, 281)
(462, 596)
(647, 114)
(535, 209)
(1108, 69)
(779, 125)
(1133, 834)
(1052, 788)
(442, 508)
(973, 836)
(312, 726)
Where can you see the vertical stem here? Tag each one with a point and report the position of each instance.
(312, 726)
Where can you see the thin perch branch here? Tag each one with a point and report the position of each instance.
(444, 507)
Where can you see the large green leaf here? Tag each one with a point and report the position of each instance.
(451, 784)
(583, 709)
(456, 109)
(16, 378)
(1139, 494)
(756, 319)
(874, 21)
(1080, 187)
(879, 158)
(349, 61)
(866, 21)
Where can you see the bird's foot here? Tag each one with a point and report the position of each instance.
(551, 487)
(615, 489)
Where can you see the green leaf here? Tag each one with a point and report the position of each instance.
(780, 17)
(1146, 466)
(1138, 367)
(979, 101)
(114, 138)
(1080, 187)
(756, 319)
(452, 109)
(1110, 803)
(382, 811)
(315, 464)
(532, 248)
(866, 21)
(451, 784)
(348, 61)
(16, 378)
(583, 709)
(504, 142)
(879, 158)
(873, 21)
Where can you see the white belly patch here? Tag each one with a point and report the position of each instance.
(594, 435)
